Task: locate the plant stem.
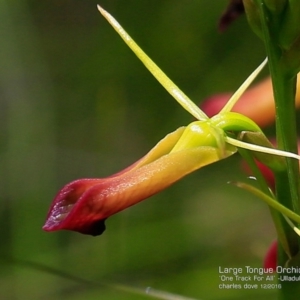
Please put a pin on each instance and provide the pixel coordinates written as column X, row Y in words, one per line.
column 287, row 181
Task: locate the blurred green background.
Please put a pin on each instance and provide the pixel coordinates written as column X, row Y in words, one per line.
column 75, row 102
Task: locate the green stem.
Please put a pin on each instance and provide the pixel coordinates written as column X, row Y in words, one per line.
column 284, row 89
column 287, row 181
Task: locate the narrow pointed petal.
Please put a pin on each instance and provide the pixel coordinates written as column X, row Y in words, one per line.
column 257, row 103
column 83, row 205
column 241, row 90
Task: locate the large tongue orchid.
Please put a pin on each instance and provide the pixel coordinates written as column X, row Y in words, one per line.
column 84, row 204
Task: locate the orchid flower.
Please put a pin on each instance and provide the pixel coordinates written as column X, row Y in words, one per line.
column 84, row 204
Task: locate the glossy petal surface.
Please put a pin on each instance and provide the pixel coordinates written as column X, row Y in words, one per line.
column 84, row 204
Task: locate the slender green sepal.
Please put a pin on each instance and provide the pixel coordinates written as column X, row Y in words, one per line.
column 236, row 96
column 161, row 77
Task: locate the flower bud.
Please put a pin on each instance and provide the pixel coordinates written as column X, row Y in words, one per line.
column 253, row 17
column 290, row 29
column 276, row 6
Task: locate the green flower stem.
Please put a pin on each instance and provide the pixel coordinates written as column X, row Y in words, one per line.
column 287, row 182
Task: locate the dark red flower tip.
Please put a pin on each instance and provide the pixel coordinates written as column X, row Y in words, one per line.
column 64, row 214
column 270, row 261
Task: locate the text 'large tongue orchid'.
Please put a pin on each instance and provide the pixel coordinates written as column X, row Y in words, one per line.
column 84, row 204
